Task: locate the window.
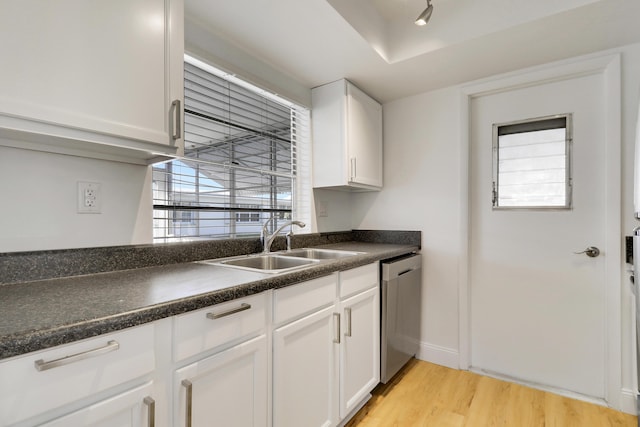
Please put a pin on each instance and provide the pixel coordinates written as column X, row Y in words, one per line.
column 246, row 159
column 185, row 217
column 531, row 164
column 249, row 216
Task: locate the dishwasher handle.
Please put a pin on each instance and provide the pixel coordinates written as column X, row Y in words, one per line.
column 397, row 267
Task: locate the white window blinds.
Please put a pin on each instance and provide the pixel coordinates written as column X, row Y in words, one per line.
column 531, row 164
column 240, row 165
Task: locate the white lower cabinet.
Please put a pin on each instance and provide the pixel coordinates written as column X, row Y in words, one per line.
column 228, row 389
column 360, row 349
column 326, row 362
column 89, row 376
column 303, row 355
column 132, row 408
column 305, row 371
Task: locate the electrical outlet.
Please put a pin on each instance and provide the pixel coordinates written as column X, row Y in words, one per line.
column 89, row 200
column 323, row 208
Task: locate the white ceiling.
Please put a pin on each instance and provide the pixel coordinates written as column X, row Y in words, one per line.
column 375, row 44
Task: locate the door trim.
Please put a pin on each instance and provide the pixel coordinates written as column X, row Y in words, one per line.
column 608, row 65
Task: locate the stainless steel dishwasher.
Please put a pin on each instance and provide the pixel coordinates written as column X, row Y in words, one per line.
column 400, row 313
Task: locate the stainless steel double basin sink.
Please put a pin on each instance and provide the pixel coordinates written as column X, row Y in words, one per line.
column 282, row 262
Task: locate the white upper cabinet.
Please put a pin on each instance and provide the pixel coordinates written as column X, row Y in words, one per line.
column 347, row 138
column 98, row 79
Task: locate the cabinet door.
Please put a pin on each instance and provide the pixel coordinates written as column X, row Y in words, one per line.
column 102, row 72
column 364, row 138
column 305, row 371
column 132, row 408
column 360, row 350
column 227, row 389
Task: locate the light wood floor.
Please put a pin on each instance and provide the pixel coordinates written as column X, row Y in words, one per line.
column 424, row 394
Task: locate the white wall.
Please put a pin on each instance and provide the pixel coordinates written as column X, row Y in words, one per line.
column 421, row 174
column 336, row 205
column 421, row 161
column 38, row 195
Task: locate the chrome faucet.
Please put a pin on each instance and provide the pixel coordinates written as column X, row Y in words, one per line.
column 267, row 240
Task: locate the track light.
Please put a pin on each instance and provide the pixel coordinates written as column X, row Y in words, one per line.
column 425, row 15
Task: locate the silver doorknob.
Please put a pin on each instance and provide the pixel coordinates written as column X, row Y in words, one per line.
column 591, row 251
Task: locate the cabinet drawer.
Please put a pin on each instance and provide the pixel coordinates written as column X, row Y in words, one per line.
column 295, row 301
column 359, row 279
column 213, row 326
column 72, row 372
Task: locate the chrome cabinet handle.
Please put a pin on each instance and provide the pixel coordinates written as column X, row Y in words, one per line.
column 347, row 312
column 41, row 365
column 151, row 411
column 353, row 169
column 336, row 328
column 176, row 125
column 591, row 251
column 244, row 306
column 189, row 400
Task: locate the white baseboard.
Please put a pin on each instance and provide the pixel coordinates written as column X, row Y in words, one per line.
column 439, row 355
column 628, row 401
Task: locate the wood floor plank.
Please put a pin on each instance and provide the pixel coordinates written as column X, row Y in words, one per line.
column 489, row 404
column 526, row 406
column 428, row 395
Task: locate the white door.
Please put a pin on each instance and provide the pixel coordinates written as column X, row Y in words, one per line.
column 538, row 309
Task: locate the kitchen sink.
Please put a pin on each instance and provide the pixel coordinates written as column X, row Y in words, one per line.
column 265, row 263
column 281, row 262
column 319, row 254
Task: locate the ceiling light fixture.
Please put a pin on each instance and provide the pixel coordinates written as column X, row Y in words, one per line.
column 425, row 15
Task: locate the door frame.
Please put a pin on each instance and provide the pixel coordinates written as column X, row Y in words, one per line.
column 608, row 65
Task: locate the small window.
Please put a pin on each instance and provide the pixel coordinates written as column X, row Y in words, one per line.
column 185, row 217
column 531, row 164
column 247, row 216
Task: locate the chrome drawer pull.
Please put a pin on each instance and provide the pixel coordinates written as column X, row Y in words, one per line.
column 176, row 132
column 41, row 365
column 151, row 411
column 189, row 400
column 336, row 328
column 352, row 173
column 243, row 307
column 347, row 312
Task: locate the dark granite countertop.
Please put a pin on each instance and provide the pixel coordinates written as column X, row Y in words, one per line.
column 44, row 313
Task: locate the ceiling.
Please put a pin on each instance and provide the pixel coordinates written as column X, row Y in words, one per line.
column 375, row 44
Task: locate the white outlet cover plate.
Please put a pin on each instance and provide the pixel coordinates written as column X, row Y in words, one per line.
column 323, row 208
column 89, row 197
